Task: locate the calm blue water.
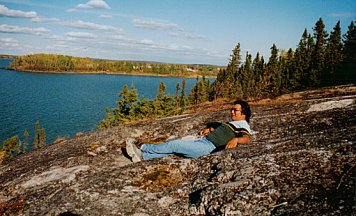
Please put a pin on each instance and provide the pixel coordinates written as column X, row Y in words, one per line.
column 65, row 103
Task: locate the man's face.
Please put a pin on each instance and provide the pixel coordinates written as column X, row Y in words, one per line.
column 236, row 113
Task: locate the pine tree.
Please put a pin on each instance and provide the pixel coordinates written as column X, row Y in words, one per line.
column 177, row 97
column 177, row 91
column 273, row 72
column 246, row 77
column 226, row 84
column 258, row 67
column 108, row 121
column 288, row 71
column 183, row 99
column 347, row 73
column 301, row 62
column 333, row 55
column 37, row 139
column 318, row 62
column 163, row 104
column 200, row 91
column 42, row 137
column 161, row 90
column 126, row 105
column 11, row 147
column 235, row 60
column 25, row 143
column 193, row 96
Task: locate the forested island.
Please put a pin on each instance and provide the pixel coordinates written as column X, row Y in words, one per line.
column 3, row 56
column 53, row 63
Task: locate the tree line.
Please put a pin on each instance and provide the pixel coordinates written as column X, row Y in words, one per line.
column 320, row 59
column 62, row 63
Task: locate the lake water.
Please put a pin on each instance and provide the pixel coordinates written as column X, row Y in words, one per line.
column 65, row 104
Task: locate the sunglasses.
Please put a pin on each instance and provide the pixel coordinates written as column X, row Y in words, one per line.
column 235, row 110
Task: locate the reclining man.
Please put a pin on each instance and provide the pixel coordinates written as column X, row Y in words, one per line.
column 227, row 135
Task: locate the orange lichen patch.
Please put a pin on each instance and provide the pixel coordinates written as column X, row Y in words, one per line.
column 95, row 145
column 14, row 206
column 2, row 156
column 160, row 179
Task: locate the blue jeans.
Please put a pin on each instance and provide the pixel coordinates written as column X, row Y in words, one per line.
column 186, row 148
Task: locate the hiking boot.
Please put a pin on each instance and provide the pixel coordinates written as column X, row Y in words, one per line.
column 133, row 151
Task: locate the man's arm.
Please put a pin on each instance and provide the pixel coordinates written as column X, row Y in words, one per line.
column 238, row 140
column 206, row 131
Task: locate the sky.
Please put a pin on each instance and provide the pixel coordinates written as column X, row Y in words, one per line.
column 171, row 31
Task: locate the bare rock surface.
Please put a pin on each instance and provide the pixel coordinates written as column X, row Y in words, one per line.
column 301, row 162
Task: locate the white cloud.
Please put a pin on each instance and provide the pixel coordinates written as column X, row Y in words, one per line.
column 187, row 35
column 9, row 43
column 153, row 25
column 72, row 10
column 105, row 16
column 157, row 25
column 193, row 36
column 80, row 35
column 4, row 11
column 92, row 4
column 44, row 19
column 4, row 28
column 92, row 26
column 146, row 42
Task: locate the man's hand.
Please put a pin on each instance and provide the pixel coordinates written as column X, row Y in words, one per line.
column 237, row 140
column 205, row 131
column 232, row 143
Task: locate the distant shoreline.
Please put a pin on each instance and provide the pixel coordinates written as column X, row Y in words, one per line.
column 107, row 73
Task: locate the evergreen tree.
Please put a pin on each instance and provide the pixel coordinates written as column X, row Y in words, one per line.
column 194, row 96
column 177, row 97
column 273, row 72
column 226, row 84
column 42, row 137
column 183, row 99
column 25, row 143
column 37, row 139
column 301, row 61
column 108, row 121
column 161, row 90
column 246, row 77
column 235, row 60
column 333, row 55
column 258, row 67
column 126, row 105
column 163, row 104
column 347, row 73
column 177, row 91
column 11, row 147
column 200, row 91
column 318, row 63
column 288, row 71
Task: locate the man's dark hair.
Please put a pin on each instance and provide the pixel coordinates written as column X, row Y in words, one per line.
column 245, row 109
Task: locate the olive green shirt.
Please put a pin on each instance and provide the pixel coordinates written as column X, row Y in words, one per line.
column 221, row 135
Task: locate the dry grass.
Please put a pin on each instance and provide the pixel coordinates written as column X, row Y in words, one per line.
column 160, row 178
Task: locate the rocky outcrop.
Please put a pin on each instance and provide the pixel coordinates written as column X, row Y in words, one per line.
column 301, row 162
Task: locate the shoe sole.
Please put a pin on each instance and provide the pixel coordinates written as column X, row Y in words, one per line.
column 131, row 152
